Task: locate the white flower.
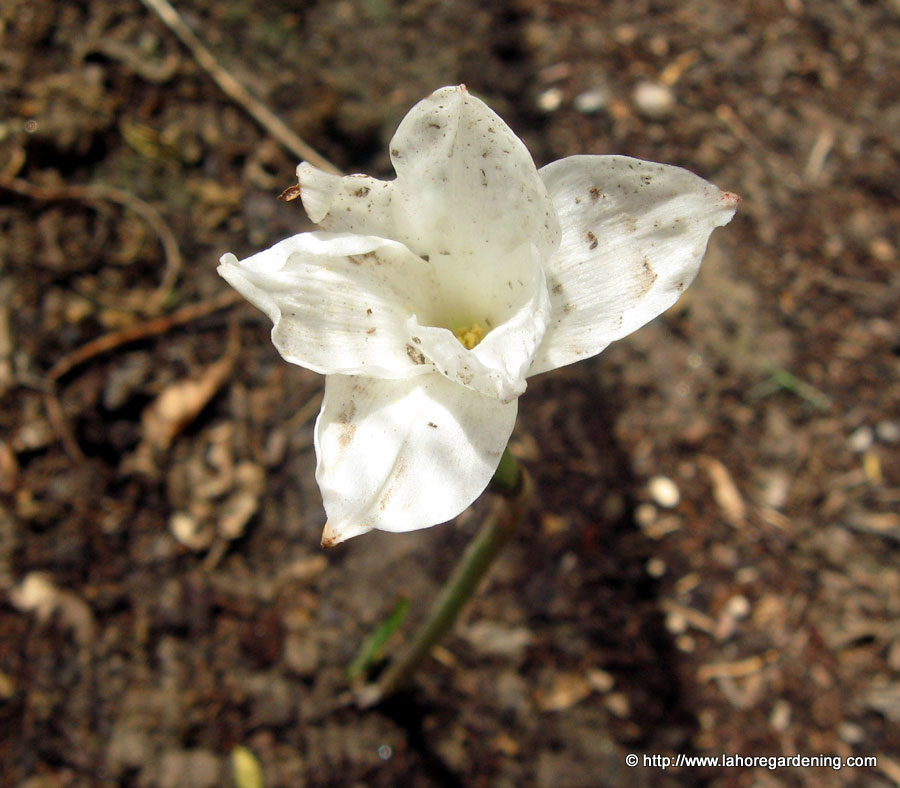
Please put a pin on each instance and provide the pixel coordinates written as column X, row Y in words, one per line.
column 428, row 300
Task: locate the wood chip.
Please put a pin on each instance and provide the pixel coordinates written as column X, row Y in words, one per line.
column 739, row 669
column 567, row 690
column 725, row 491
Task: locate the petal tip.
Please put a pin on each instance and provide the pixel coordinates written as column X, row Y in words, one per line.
column 333, row 535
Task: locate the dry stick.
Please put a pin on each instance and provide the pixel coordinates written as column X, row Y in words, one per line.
column 235, row 90
column 100, row 192
column 159, row 325
column 107, row 342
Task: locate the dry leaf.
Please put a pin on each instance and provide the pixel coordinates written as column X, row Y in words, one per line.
column 180, row 403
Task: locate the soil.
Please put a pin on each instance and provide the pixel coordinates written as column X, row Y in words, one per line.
column 163, row 596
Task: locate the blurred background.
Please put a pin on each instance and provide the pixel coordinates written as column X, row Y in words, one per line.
column 713, row 564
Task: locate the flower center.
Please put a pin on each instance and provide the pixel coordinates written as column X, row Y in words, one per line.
column 471, row 336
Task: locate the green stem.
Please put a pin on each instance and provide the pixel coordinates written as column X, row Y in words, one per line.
column 508, row 475
column 497, row 530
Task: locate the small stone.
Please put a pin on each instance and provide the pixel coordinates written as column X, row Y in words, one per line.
column 600, row 680
column 861, row 440
column 851, row 733
column 780, row 717
column 737, row 606
column 591, row 101
column 654, row 101
column 888, row 431
column 882, row 249
column 193, row 534
column 664, row 492
column 617, row 703
column 645, row 514
column 676, row 623
column 656, row 567
column 36, row 594
column 550, row 100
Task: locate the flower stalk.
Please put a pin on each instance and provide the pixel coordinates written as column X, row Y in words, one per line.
column 516, row 491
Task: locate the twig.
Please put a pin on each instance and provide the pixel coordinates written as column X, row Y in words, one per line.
column 159, row 325
column 235, row 90
column 100, row 192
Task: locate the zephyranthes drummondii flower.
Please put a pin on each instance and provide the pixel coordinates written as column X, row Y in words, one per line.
column 428, row 300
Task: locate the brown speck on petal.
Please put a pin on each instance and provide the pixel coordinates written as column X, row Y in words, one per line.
column 416, row 356
column 592, row 240
column 346, row 436
column 647, row 276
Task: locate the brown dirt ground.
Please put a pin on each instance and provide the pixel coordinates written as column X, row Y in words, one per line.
column 758, row 616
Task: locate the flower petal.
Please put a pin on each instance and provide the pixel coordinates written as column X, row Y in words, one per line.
column 466, row 187
column 352, row 204
column 404, row 454
column 339, row 303
column 634, row 234
column 496, row 366
column 466, row 184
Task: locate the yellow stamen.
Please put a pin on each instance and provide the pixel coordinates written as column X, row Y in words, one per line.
column 469, row 337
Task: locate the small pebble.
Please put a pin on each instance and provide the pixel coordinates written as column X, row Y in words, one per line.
column 591, row 101
column 618, row 704
column 888, row 431
column 737, row 606
column 780, row 717
column 550, row 100
column 645, row 514
column 676, row 623
column 664, row 491
column 600, row 680
column 193, row 534
column 882, row 249
column 861, row 440
column 851, row 733
column 654, row 101
column 656, row 567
